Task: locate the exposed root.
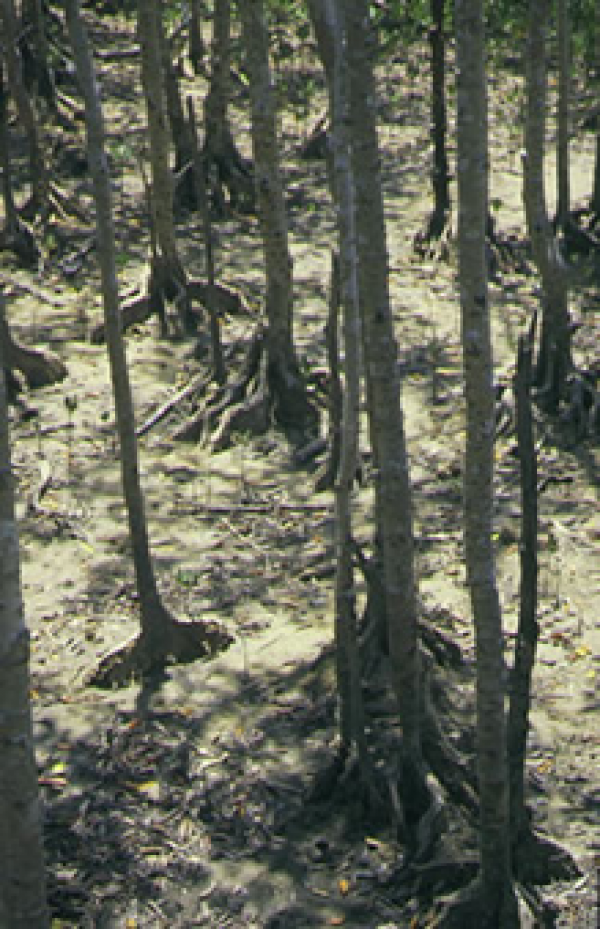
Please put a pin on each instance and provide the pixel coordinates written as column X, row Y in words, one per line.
column 471, row 907
column 342, row 775
column 539, row 860
column 140, row 307
column 433, row 242
column 20, row 240
column 258, row 397
column 38, row 367
column 581, row 411
column 202, row 423
column 148, row 655
column 315, row 146
column 229, row 177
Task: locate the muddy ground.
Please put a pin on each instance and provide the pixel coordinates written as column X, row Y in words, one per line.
column 183, row 802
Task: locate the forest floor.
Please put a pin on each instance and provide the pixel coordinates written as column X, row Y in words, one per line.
column 183, row 802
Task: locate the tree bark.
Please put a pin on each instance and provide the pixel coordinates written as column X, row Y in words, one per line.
column 554, row 356
column 497, row 899
column 291, row 404
column 197, row 51
column 171, row 271
column 440, row 172
column 595, row 198
column 217, row 130
column 150, row 605
column 37, row 167
column 22, row 875
column 352, row 721
column 563, row 198
column 527, row 633
column 392, row 483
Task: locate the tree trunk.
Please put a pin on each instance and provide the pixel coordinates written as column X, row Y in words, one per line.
column 291, row 404
column 11, row 218
column 562, row 141
column 32, row 20
column 554, row 357
column 161, row 635
column 39, row 175
column 150, row 605
column 217, row 100
column 595, row 198
column 197, row 51
column 392, row 485
column 527, row 633
column 352, row 723
column 22, row 875
column 497, row 899
column 171, row 275
column 440, row 173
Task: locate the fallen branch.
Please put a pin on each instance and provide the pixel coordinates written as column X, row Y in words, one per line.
column 198, row 383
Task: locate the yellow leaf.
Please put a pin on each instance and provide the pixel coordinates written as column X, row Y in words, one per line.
column 149, row 789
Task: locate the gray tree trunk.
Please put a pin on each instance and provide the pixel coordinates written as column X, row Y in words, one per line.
column 218, row 134
column 37, row 167
column 562, row 139
column 197, row 51
column 554, row 357
column 149, row 31
column 386, row 420
column 497, row 898
column 349, row 682
column 22, row 875
column 152, row 612
column 291, row 405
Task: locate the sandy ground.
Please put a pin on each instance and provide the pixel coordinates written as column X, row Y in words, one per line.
column 183, row 803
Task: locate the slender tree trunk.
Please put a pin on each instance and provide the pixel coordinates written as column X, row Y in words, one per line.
column 527, row 634
column 22, row 874
column 171, row 271
column 497, row 898
column 197, row 51
column 33, row 19
column 349, row 682
column 10, row 209
column 37, row 167
column 150, row 604
column 595, row 198
column 562, row 143
column 217, row 130
column 440, row 173
column 392, row 487
column 161, row 635
column 554, row 357
column 291, row 406
column 174, row 106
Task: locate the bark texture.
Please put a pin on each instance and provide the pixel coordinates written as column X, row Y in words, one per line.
column 290, row 403
column 496, row 899
column 392, row 487
column 146, row 582
column 554, row 357
column 37, row 166
column 150, row 31
column 22, row 875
